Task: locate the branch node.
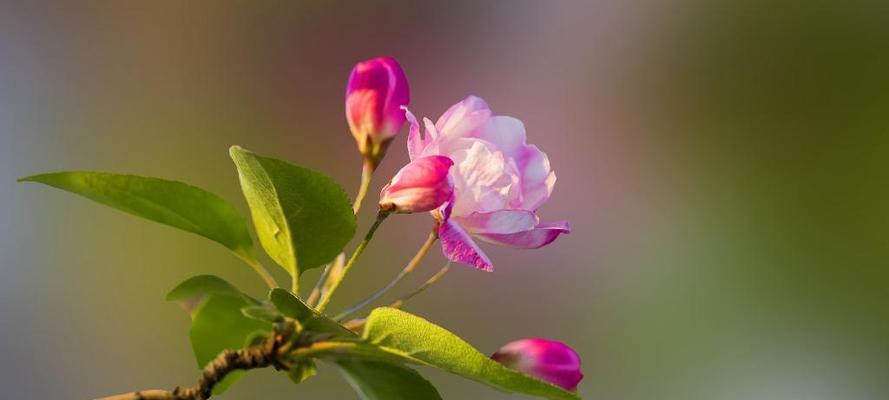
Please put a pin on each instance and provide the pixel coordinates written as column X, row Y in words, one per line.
column 268, row 353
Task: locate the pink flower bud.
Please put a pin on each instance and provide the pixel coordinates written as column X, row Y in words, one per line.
column 422, row 185
column 544, row 359
column 376, row 91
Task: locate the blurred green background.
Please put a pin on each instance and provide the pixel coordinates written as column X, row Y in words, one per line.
column 724, row 165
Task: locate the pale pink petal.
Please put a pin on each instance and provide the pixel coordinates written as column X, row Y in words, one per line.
column 507, row 133
column 458, row 246
column 431, row 130
column 541, row 235
column 415, row 140
column 501, row 221
column 463, row 118
column 538, row 179
column 483, row 179
column 431, row 136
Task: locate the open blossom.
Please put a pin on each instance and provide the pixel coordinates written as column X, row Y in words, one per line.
column 376, row 92
column 500, row 181
column 548, row 360
column 422, row 185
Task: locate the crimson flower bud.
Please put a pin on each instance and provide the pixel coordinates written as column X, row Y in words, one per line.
column 376, row 91
column 544, row 359
column 422, row 185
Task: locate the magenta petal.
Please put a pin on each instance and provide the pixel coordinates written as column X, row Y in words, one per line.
column 398, row 94
column 542, row 235
column 500, row 221
column 422, row 185
column 548, row 360
column 382, row 75
column 458, row 246
column 376, row 91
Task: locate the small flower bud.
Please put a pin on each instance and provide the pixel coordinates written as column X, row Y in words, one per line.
column 376, row 91
column 544, row 359
column 422, row 185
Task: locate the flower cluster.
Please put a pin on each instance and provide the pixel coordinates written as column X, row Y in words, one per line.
column 477, row 175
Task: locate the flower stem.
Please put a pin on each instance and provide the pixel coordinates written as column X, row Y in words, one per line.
column 331, row 271
column 410, row 267
column 316, row 291
column 432, row 280
column 357, row 324
column 325, row 300
column 366, row 175
column 263, row 273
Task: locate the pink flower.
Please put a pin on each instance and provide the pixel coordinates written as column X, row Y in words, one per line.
column 422, row 185
column 544, row 359
column 376, row 92
column 499, row 179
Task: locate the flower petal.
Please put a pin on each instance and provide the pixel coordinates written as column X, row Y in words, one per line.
column 398, row 94
column 501, row 221
column 376, row 91
column 483, row 179
column 363, row 115
column 419, row 144
column 458, row 246
column 415, row 139
column 431, row 131
column 541, row 235
column 507, row 133
column 421, row 185
column 463, row 118
column 549, row 360
column 538, row 178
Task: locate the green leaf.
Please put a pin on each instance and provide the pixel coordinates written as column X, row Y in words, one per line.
column 219, row 325
column 302, row 370
column 303, row 219
column 169, row 202
column 192, row 292
column 201, row 285
column 312, row 321
column 290, row 305
column 217, row 320
column 262, row 313
column 418, row 340
column 374, row 380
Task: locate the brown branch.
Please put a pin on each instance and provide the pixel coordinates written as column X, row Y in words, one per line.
column 269, row 353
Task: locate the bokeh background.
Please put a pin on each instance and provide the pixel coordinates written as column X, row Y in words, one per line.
column 724, row 165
